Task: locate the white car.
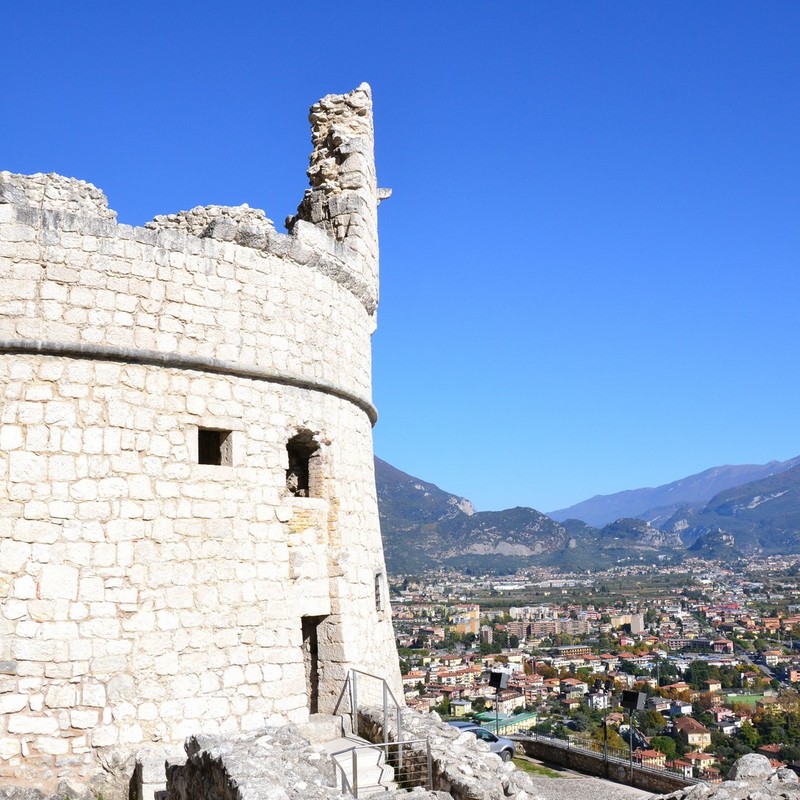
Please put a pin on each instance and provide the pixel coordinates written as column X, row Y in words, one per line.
column 497, row 744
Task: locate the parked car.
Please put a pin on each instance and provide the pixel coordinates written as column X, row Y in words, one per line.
column 497, row 744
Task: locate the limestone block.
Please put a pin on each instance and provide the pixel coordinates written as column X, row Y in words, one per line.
column 33, row 650
column 167, row 664
column 51, row 745
column 24, row 467
column 15, row 609
column 60, row 696
column 58, row 582
column 23, row 723
column 252, row 721
column 92, row 588
column 62, row 631
column 9, row 748
column 93, row 694
column 147, row 712
column 100, row 627
column 104, row 736
column 131, row 733
column 11, row 703
column 11, row 437
column 183, row 686
column 233, row 676
column 61, row 671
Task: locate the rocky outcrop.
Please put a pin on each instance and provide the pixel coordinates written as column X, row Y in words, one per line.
column 274, row 764
column 751, row 778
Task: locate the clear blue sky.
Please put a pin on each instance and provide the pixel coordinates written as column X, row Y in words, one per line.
column 590, row 261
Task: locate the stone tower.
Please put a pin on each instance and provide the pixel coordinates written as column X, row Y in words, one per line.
column 189, row 536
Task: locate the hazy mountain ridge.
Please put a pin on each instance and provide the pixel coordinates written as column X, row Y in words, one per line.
column 762, row 516
column 424, row 526
column 658, row 504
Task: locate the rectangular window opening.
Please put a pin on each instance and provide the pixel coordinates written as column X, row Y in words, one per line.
column 378, row 591
column 214, row 447
column 303, row 477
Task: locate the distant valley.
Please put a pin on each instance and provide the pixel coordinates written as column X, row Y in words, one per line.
column 725, row 512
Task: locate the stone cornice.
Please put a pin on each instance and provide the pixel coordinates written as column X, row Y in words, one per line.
column 132, row 355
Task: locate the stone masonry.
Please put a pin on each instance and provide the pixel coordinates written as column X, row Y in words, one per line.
column 189, row 536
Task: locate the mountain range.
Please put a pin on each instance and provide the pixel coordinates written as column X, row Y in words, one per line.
column 724, row 512
column 660, row 503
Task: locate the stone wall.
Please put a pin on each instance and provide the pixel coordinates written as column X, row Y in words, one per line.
column 594, row 764
column 149, row 593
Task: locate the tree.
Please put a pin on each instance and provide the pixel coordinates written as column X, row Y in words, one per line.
column 789, row 754
column 771, row 731
column 580, row 722
column 665, row 745
column 443, row 708
column 651, row 722
column 696, row 673
column 749, row 735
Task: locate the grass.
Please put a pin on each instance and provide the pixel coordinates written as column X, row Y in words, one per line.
column 535, row 769
column 745, row 699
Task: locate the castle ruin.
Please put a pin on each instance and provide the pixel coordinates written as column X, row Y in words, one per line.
column 189, row 535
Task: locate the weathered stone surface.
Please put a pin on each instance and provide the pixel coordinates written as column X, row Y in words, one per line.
column 273, row 764
column 751, row 778
column 752, row 767
column 153, row 591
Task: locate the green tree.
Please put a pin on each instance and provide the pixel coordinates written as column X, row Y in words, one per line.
column 749, row 735
column 651, row 722
column 665, row 745
column 696, row 673
column 580, row 722
column 443, row 708
column 789, row 754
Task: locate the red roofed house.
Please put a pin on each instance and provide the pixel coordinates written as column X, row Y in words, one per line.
column 694, row 733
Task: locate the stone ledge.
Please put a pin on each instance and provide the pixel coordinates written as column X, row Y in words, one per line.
column 130, row 355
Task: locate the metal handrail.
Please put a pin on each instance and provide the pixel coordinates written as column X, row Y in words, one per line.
column 350, row 690
column 611, row 754
column 353, row 787
column 352, row 682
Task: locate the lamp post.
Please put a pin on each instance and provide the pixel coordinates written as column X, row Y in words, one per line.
column 632, row 701
column 630, row 742
column 605, row 689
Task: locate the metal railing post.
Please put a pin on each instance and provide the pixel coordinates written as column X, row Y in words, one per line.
column 355, row 702
column 385, row 713
column 399, row 737
column 355, row 775
column 430, row 767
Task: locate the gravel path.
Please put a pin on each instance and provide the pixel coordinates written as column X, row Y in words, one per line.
column 584, row 788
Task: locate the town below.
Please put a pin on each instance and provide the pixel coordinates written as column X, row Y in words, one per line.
column 708, row 652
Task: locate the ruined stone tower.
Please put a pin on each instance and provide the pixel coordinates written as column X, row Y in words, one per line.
column 189, row 534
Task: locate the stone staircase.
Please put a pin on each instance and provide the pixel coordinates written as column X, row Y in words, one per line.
column 374, row 774
column 332, row 735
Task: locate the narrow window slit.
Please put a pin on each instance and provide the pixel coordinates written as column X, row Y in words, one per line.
column 214, row 447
